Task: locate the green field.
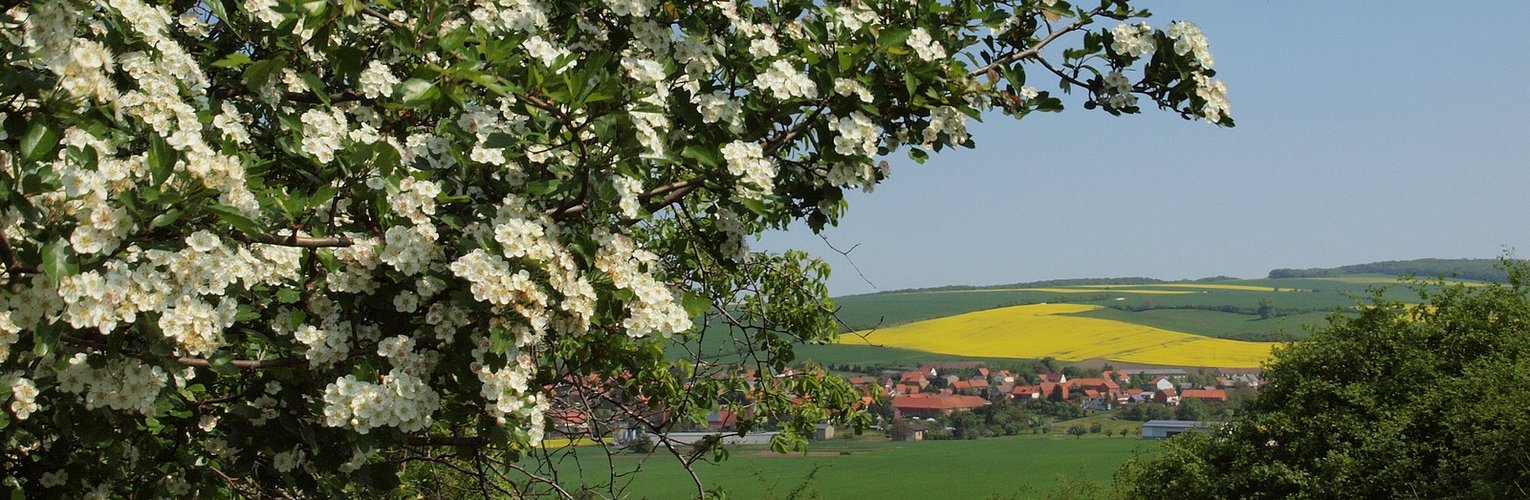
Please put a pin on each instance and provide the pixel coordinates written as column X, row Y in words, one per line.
column 1004, row 467
column 1224, row 309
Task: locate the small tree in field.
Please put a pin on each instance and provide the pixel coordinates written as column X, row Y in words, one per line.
column 284, row 248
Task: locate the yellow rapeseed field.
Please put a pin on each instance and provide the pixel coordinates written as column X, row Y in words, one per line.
column 1041, row 330
column 1067, row 290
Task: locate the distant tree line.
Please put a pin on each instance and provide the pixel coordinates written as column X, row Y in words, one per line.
column 1041, row 284
column 1470, row 269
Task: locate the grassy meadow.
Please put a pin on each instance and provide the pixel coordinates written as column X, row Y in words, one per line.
column 1026, row 466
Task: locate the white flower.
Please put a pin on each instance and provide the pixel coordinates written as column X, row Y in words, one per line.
column 925, row 47
column 1215, row 95
column 856, row 135
column 784, row 81
column 1188, row 39
column 1118, row 91
column 1133, row 41
column 548, row 53
column 377, row 80
column 322, row 133
column 746, row 160
column 627, row 190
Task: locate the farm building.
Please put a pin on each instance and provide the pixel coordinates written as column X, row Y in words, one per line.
column 1160, row 429
column 1207, row 395
column 929, row 405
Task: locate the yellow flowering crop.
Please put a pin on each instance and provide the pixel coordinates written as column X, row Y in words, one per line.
column 1042, row 330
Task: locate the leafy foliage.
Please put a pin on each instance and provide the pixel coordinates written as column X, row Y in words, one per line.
column 1396, row 402
column 284, row 248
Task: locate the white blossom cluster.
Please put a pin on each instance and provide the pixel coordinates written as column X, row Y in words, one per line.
column 172, row 286
column 1118, row 91
column 415, row 199
column 402, row 400
column 747, row 161
column 852, row 175
column 718, row 106
column 653, row 309
column 1215, row 95
column 1132, row 40
column 230, row 122
column 288, row 460
column 856, row 136
column 948, row 121
column 23, row 395
column 322, row 133
column 1188, row 39
column 630, row 8
column 733, row 246
column 482, row 121
column 847, row 87
column 410, row 249
column 548, row 53
column 496, row 16
column 9, row 331
column 925, row 47
column 506, row 389
column 377, row 80
column 627, row 191
column 852, row 18
column 784, row 81
column 124, row 384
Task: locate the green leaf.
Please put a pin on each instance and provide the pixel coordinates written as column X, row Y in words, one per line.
column 708, row 157
column 38, row 142
column 918, row 155
column 288, row 296
column 315, row 85
column 893, row 38
column 234, row 60
column 499, row 140
column 695, row 304
column 416, row 92
column 165, row 219
column 259, row 73
column 755, row 206
column 222, row 363
column 245, row 313
column 387, row 160
column 543, row 188
column 161, row 160
column 234, row 218
column 58, row 260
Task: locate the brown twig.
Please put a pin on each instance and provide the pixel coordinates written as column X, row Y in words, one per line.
column 1033, row 50
column 294, row 240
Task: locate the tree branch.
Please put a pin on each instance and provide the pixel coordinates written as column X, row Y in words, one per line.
column 1033, row 50
column 12, row 268
column 294, row 240
column 246, row 364
column 447, row 441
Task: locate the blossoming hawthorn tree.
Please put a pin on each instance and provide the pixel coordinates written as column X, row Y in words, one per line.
column 286, row 247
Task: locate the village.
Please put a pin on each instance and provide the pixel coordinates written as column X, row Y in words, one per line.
column 953, row 400
column 968, row 400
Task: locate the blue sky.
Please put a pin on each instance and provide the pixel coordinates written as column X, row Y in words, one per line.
column 1366, row 131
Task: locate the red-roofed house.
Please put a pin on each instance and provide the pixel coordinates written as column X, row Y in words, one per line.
column 1207, row 395
column 1048, row 388
column 933, row 406
column 914, row 378
column 1052, row 378
column 1167, row 396
column 1025, row 392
